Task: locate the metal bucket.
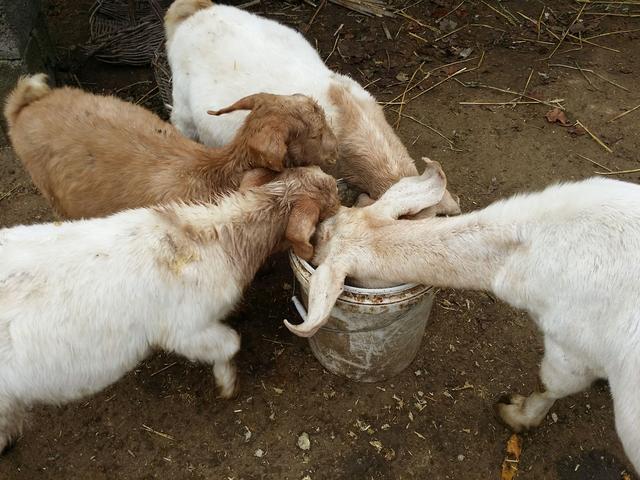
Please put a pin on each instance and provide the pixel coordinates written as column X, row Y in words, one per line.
column 372, row 334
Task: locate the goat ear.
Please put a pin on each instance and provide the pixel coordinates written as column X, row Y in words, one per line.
column 326, row 285
column 245, row 103
column 269, row 145
column 413, row 194
column 302, row 223
column 256, row 178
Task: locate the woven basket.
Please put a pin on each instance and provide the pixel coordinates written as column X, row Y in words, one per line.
column 126, row 32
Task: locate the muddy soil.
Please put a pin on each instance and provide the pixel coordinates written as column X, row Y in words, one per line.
column 436, row 419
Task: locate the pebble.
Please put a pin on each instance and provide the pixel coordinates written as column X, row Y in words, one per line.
column 303, row 441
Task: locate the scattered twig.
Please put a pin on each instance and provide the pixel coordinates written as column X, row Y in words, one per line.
column 166, row 367
column 509, row 20
column 315, row 14
column 132, row 85
column 601, row 77
column 512, row 102
column 594, row 162
column 526, row 85
column 624, row 113
column 620, row 172
column 598, row 141
column 467, row 26
column 566, row 32
column 406, row 88
column 512, row 92
column 438, row 83
column 617, row 32
column 335, row 44
column 154, row 90
column 584, row 74
column 449, row 141
column 451, row 11
column 160, row 434
column 7, row 194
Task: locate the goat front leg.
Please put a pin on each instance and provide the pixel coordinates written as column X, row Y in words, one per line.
column 561, row 373
column 217, row 344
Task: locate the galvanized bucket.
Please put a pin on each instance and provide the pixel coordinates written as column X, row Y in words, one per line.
column 373, row 334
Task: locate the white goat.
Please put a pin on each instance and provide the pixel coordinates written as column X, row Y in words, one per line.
column 219, row 53
column 569, row 256
column 83, row 302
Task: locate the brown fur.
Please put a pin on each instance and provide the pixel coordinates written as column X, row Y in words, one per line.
column 364, row 160
column 179, row 11
column 251, row 225
column 93, row 155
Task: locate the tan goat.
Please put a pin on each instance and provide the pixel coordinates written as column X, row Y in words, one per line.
column 92, row 155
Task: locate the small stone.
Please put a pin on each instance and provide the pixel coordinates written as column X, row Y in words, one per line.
column 258, row 453
column 554, row 417
column 303, row 441
column 460, row 458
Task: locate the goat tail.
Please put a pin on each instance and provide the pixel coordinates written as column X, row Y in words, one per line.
column 179, row 11
column 28, row 89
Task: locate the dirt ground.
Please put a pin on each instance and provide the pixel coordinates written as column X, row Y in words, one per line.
column 436, row 419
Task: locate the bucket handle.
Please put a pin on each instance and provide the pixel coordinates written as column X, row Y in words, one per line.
column 299, row 307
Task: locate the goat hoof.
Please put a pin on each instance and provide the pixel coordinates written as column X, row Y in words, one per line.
column 510, row 411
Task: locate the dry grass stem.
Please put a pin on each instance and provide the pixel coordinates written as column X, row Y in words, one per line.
column 406, row 88
column 624, row 113
column 512, row 92
column 601, row 77
column 415, row 35
column 566, row 32
column 438, row 83
column 8, row 194
column 155, row 432
column 592, row 135
column 440, row 134
column 617, row 32
column 370, row 8
column 418, row 22
column 594, row 162
column 526, row 85
column 451, row 11
column 315, row 14
column 335, row 44
column 508, row 19
column 484, row 25
column 604, row 14
column 620, row 172
column 166, row 367
column 513, row 102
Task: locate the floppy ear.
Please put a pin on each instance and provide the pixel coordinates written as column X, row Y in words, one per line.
column 256, row 178
column 325, row 287
column 412, row 194
column 302, row 223
column 269, row 144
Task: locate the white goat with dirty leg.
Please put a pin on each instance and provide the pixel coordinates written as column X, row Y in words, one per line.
column 568, row 255
column 219, row 53
column 81, row 303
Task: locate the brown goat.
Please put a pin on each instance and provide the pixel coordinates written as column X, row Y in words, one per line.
column 93, row 155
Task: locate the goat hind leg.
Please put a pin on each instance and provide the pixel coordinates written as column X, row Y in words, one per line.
column 561, row 373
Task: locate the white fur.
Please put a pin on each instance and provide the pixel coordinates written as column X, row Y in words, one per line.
column 81, row 303
column 569, row 256
column 222, row 53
